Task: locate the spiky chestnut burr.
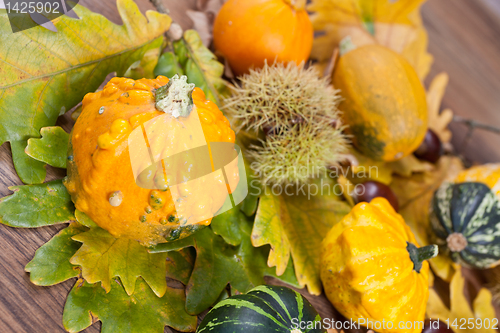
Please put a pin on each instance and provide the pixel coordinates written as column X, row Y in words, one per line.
column 294, row 115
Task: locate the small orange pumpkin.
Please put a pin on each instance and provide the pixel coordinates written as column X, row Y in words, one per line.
column 249, row 32
column 100, row 175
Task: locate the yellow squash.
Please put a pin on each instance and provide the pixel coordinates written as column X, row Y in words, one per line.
column 373, row 270
column 384, row 102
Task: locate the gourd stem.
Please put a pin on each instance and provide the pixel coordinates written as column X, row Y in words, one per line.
column 175, row 97
column 346, row 45
column 296, row 4
column 419, row 254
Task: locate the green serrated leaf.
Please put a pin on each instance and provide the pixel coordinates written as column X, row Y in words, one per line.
column 218, row 263
column 33, row 206
column 144, row 68
column 173, row 246
column 227, row 225
column 83, row 219
column 51, row 262
column 261, row 254
column 289, row 276
column 141, row 312
column 45, row 74
column 103, row 257
column 180, row 264
column 29, row 170
column 201, row 66
column 296, row 225
column 250, row 204
column 51, row 148
column 168, row 65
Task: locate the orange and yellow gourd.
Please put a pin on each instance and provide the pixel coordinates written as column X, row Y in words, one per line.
column 249, row 32
column 384, row 102
column 100, row 177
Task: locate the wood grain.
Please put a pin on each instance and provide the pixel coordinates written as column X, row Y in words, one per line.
column 465, row 41
column 464, row 37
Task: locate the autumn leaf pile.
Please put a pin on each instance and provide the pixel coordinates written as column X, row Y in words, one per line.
column 122, row 283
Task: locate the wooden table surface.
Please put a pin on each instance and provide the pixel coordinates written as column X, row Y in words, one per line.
column 465, row 41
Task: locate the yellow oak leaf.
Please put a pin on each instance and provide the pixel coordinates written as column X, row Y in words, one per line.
column 363, row 168
column 415, row 194
column 347, row 190
column 438, row 121
column 295, row 225
column 394, row 24
column 461, row 315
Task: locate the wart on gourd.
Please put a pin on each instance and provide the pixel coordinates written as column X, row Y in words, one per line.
column 116, row 198
column 155, row 200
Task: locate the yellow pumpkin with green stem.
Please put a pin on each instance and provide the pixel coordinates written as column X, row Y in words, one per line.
column 384, row 102
column 373, row 270
column 101, row 179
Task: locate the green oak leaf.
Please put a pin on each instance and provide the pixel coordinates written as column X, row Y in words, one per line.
column 83, row 219
column 228, row 225
column 51, row 262
column 175, row 245
column 250, row 204
column 39, row 205
column 218, row 264
column 200, row 65
column 144, row 68
column 45, row 73
column 52, row 148
column 141, row 312
column 30, row 171
column 296, row 225
column 168, row 65
column 180, row 264
column 103, row 257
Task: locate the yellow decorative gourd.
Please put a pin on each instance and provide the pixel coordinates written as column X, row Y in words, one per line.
column 384, row 102
column 373, row 270
column 488, row 174
column 100, row 177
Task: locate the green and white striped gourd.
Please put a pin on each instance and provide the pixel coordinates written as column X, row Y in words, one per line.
column 465, row 218
column 264, row 309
